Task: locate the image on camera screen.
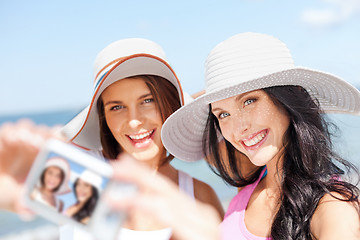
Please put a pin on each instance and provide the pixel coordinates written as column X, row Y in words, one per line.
column 68, row 188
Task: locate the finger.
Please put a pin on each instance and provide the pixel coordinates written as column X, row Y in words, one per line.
column 148, row 204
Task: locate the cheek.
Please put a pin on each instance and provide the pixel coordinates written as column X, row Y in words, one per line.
column 113, row 122
column 49, row 176
column 79, row 189
column 226, row 131
column 153, row 114
column 58, row 178
column 89, row 192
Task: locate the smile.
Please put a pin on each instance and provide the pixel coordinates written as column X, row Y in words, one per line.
column 253, row 141
column 140, row 136
column 142, row 140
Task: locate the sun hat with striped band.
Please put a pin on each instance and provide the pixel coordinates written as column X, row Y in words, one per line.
column 243, row 63
column 119, row 60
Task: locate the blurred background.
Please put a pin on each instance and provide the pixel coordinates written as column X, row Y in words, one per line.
column 47, row 49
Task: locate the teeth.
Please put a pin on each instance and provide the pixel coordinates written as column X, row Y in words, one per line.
column 254, row 140
column 141, row 136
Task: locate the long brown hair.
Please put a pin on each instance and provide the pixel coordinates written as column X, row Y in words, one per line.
column 62, row 176
column 167, row 100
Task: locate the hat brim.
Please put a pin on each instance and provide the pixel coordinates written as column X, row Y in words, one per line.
column 182, row 133
column 74, row 176
column 84, row 129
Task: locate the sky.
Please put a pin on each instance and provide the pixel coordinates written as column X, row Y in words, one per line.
column 47, row 48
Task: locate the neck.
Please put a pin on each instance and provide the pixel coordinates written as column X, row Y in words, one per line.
column 272, row 181
column 155, row 162
column 166, row 169
column 46, row 191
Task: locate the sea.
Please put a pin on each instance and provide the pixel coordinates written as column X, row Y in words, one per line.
column 13, row 227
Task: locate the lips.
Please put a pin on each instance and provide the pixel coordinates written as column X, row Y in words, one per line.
column 255, row 140
column 141, row 140
column 51, row 185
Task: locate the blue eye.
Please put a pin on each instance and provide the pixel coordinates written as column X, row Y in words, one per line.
column 148, row 100
column 223, row 115
column 249, row 101
column 117, row 107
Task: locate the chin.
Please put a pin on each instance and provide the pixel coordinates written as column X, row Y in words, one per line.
column 146, row 155
column 259, row 161
column 259, row 164
column 83, row 199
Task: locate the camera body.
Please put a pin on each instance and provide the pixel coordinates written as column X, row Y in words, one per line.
column 67, row 185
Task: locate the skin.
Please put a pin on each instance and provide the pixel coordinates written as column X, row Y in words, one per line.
column 159, row 197
column 83, row 191
column 19, row 144
column 246, row 118
column 52, row 179
column 255, row 126
column 246, row 166
column 130, row 111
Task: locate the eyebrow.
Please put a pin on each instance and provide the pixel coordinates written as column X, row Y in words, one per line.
column 120, row 102
column 241, row 96
column 238, row 97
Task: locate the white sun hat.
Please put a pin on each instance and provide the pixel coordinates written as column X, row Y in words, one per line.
column 92, row 179
column 119, row 60
column 65, row 167
column 243, row 63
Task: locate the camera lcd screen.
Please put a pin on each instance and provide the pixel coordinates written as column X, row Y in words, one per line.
column 66, row 187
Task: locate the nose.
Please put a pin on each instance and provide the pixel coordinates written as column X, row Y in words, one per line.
column 240, row 123
column 134, row 123
column 135, row 118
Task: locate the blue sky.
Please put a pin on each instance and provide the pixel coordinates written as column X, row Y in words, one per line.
column 47, row 48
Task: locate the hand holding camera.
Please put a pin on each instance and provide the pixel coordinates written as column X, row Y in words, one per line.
column 68, row 185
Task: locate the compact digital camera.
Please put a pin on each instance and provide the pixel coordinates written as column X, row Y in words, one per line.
column 67, row 185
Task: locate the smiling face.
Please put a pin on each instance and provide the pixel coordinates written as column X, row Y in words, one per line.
column 253, row 124
column 52, row 178
column 83, row 190
column 133, row 119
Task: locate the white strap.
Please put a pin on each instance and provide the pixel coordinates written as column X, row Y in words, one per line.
column 186, row 184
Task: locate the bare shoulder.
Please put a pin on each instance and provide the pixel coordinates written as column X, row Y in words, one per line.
column 70, row 210
column 206, row 194
column 335, row 219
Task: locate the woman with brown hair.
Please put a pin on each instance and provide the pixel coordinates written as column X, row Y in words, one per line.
column 52, row 183
column 135, row 91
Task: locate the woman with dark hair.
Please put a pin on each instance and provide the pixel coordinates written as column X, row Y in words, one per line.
column 135, row 91
column 53, row 182
column 86, row 189
column 270, row 112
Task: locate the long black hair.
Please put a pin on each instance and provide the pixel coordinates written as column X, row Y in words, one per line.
column 87, row 209
column 310, row 168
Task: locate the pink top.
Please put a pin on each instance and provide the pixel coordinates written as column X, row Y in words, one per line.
column 233, row 225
